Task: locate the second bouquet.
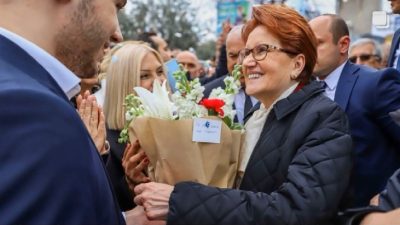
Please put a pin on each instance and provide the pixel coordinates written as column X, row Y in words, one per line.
column 186, row 137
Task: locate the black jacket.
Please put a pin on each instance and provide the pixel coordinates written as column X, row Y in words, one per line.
column 219, row 82
column 297, row 173
column 116, row 171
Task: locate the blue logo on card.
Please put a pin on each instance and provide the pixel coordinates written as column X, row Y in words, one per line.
column 207, row 124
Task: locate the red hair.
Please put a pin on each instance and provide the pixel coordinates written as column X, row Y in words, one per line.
column 290, row 28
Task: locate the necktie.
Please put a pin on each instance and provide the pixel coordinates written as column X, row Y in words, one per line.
column 247, row 105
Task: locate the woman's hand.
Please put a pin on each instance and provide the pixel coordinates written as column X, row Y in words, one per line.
column 134, row 163
column 154, row 198
column 93, row 117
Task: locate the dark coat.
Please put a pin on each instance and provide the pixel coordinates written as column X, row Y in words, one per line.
column 51, row 172
column 297, row 173
column 219, row 82
column 116, row 171
column 220, row 70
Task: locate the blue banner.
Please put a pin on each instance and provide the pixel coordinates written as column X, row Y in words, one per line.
column 237, row 12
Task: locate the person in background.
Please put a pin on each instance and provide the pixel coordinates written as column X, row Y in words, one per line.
column 243, row 102
column 394, row 54
column 157, row 43
column 366, row 51
column 51, row 172
column 190, row 63
column 134, row 64
column 385, row 46
column 297, row 155
column 368, row 97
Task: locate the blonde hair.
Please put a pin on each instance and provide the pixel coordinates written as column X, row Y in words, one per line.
column 123, row 74
column 107, row 58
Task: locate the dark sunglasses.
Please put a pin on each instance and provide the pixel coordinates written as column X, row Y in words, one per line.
column 363, row 57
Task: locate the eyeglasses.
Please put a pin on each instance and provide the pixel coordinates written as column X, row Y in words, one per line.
column 363, row 57
column 260, row 51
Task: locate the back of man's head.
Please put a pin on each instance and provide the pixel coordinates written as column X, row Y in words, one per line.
column 157, row 43
column 146, row 37
column 338, row 27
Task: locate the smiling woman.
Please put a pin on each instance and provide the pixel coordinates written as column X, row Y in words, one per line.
column 297, row 152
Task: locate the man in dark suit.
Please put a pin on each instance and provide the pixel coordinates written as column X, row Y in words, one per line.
column 51, row 172
column 394, row 54
column 243, row 103
column 368, row 97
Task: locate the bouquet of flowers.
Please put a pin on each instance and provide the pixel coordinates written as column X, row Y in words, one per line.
column 185, row 136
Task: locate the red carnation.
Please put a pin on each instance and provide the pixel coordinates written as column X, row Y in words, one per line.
column 213, row 105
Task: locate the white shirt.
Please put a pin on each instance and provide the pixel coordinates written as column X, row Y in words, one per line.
column 64, row 77
column 332, row 80
column 240, row 99
column 396, row 57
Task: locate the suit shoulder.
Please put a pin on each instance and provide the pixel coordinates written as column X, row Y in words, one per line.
column 219, row 82
column 380, row 77
column 215, row 83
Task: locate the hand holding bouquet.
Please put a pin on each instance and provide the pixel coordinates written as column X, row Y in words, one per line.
column 166, row 130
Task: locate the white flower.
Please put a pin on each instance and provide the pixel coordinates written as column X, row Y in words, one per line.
column 128, row 116
column 156, row 104
column 185, row 101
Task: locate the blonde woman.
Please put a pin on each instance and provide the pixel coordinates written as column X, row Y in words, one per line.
column 100, row 94
column 134, row 64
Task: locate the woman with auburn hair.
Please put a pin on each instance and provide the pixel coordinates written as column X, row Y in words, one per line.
column 134, row 64
column 297, row 151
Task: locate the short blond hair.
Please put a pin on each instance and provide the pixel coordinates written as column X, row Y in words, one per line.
column 123, row 74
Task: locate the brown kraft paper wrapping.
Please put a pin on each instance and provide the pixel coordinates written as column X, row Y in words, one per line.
column 174, row 157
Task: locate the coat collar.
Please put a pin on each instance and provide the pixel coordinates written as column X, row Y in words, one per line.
column 345, row 84
column 287, row 105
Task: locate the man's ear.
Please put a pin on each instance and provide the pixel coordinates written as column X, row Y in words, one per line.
column 344, row 44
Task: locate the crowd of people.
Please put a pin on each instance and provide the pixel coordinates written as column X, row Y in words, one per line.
column 321, row 114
